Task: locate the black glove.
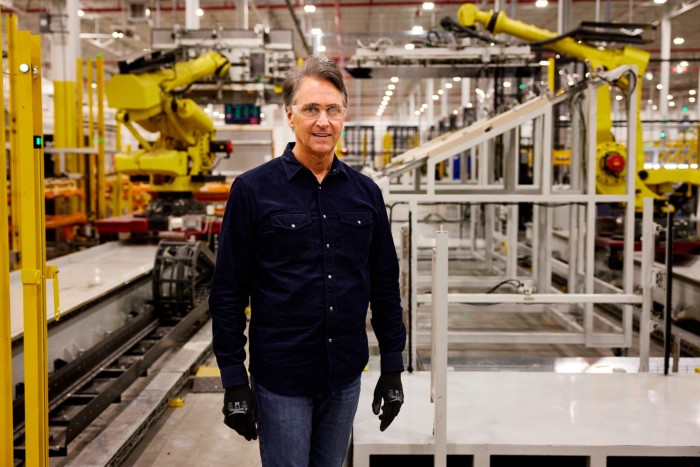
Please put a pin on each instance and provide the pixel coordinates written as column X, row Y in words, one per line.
column 390, row 389
column 240, row 411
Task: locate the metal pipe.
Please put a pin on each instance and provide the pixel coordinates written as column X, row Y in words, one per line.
column 438, row 358
column 297, row 25
column 668, row 337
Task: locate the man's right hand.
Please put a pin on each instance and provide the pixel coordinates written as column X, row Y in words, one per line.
column 240, row 411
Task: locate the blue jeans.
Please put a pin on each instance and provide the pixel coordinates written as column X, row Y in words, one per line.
column 305, row 431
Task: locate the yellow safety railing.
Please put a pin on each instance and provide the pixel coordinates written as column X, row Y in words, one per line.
column 6, row 425
column 26, row 53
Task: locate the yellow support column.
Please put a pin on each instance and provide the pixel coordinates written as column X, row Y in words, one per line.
column 92, row 190
column 117, row 205
column 6, row 426
column 11, row 25
column 551, row 76
column 100, row 78
column 80, row 129
column 33, row 275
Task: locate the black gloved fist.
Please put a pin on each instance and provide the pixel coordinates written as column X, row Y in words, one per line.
column 390, row 389
column 240, row 411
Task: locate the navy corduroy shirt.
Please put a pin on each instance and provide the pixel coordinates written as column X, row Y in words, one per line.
column 310, row 258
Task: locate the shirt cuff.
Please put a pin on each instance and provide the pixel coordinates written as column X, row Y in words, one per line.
column 391, row 362
column 234, row 376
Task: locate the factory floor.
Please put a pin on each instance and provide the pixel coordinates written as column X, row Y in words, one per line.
column 191, row 433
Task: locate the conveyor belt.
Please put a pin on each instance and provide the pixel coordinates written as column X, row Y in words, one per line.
column 79, row 390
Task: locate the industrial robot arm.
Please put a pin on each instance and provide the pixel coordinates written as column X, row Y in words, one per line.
column 611, row 155
column 183, row 154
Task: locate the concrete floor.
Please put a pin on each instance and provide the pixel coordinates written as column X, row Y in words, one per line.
column 194, row 435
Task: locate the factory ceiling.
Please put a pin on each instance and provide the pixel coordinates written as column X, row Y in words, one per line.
column 345, row 24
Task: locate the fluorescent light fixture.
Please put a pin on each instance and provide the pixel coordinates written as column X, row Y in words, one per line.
column 678, row 40
column 428, row 6
column 391, row 87
column 389, row 93
column 316, row 31
column 669, row 97
column 544, row 62
column 671, row 104
column 469, row 105
column 618, row 97
column 321, row 48
column 409, row 46
column 394, row 79
column 448, row 85
column 417, row 112
column 659, row 2
column 457, row 79
column 200, row 12
column 654, row 107
column 81, row 13
column 691, row 100
column 541, row 3
column 649, row 76
column 506, row 84
column 440, row 92
column 693, row 166
column 684, row 64
column 692, row 92
column 310, row 8
column 417, row 29
column 435, row 97
column 455, row 112
column 659, row 86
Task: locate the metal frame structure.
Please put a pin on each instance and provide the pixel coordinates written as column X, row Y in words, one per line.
column 411, row 179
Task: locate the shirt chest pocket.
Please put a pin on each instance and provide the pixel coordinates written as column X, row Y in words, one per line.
column 356, row 229
column 288, row 237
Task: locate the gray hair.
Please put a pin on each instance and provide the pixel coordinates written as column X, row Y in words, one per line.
column 314, row 67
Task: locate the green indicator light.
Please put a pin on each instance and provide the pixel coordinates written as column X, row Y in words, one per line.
column 38, row 142
column 522, row 86
column 662, row 135
column 685, row 109
column 664, row 119
column 100, row 140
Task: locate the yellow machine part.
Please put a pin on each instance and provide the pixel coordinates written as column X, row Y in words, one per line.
column 497, row 22
column 561, row 157
column 165, row 162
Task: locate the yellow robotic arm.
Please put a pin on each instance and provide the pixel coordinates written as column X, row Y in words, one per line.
column 151, row 100
column 611, row 155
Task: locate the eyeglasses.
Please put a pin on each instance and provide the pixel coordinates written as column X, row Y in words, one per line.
column 313, row 111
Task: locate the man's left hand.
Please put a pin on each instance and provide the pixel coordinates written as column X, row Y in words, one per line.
column 390, row 390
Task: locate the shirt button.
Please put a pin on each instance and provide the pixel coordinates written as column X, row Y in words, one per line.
column 330, row 277
column 328, row 245
column 330, row 341
column 319, row 187
column 324, row 216
column 331, row 308
column 359, row 222
column 293, row 225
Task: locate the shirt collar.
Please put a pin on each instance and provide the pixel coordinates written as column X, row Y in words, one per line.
column 292, row 166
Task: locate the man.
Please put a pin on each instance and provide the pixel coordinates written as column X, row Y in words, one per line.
column 306, row 239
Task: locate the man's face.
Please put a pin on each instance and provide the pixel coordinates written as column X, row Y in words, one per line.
column 316, row 135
